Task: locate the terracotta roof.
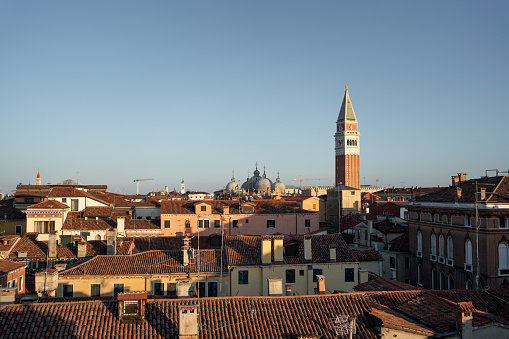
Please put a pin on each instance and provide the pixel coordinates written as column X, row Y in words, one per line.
column 48, row 204
column 7, row 266
column 98, row 211
column 399, row 244
column 395, row 319
column 72, row 222
column 150, row 262
column 11, row 239
column 376, row 283
column 8, row 210
column 233, row 317
column 367, row 255
column 498, row 185
column 32, row 190
column 385, row 226
column 260, row 206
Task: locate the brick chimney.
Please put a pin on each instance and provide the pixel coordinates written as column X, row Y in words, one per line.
column 308, row 256
column 320, row 284
column 482, row 194
column 189, row 322
column 111, row 241
column 464, row 312
column 278, row 249
column 52, row 244
column 266, row 249
column 82, row 249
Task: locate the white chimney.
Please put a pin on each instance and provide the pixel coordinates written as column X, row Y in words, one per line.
column 278, row 249
column 82, row 249
column 308, row 256
column 266, row 249
column 465, row 317
column 332, row 254
column 188, row 321
column 111, row 241
column 121, row 225
column 52, row 244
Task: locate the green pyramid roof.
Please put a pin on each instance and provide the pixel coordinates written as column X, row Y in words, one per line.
column 346, row 112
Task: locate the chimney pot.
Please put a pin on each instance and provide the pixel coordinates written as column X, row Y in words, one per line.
column 320, row 284
column 266, row 249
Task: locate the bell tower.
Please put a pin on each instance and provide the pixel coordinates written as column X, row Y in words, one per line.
column 347, row 146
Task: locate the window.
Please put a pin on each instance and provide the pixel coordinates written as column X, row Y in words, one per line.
column 20, row 285
column 243, row 277
column 203, row 208
column 301, row 273
column 393, row 262
column 188, row 223
column 166, row 224
column 201, row 289
column 316, row 271
column 292, row 250
column 131, row 307
column 171, row 289
column 44, row 226
column 29, row 200
column 407, row 262
column 203, row 224
column 64, row 199
column 18, row 229
column 450, row 248
column 503, row 222
column 468, row 285
column 307, row 222
column 235, row 223
column 290, row 276
column 441, row 246
column 419, row 243
column 95, row 290
column 503, row 256
column 67, row 290
column 468, row 252
column 118, row 288
column 158, row 288
column 98, row 237
column 217, row 224
column 433, row 244
column 74, row 204
column 349, row 274
column 314, row 206
column 271, row 223
column 215, row 241
column 212, row 289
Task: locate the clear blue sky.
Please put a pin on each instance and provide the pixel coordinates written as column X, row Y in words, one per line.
column 120, row 90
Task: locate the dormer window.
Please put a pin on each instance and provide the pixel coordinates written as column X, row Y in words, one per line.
column 292, row 250
column 203, row 208
column 132, row 307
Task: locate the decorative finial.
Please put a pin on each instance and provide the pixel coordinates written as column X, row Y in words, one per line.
column 256, row 165
column 346, row 87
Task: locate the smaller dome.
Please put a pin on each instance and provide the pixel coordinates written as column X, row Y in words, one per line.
column 279, row 187
column 263, row 184
column 233, row 186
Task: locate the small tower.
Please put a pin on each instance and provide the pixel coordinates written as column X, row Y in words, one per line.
column 182, row 187
column 347, row 146
column 38, row 179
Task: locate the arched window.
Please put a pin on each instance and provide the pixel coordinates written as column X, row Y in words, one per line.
column 433, row 279
column 433, row 244
column 503, row 256
column 468, row 285
column 442, row 280
column 441, row 246
column 419, row 242
column 419, row 274
column 98, row 237
column 468, row 252
column 450, row 248
column 450, row 282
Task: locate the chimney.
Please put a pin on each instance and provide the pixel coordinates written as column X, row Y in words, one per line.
column 187, row 254
column 266, row 249
column 363, row 276
column 464, row 312
column 46, row 282
column 189, row 321
column 184, row 288
column 111, row 241
column 320, row 284
column 332, row 254
column 52, row 244
column 275, row 287
column 482, row 194
column 121, row 225
column 226, row 209
column 458, row 194
column 82, row 249
column 308, row 256
column 288, row 290
column 7, row 296
column 278, row 249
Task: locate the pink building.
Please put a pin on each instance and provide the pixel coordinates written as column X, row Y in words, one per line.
column 235, row 217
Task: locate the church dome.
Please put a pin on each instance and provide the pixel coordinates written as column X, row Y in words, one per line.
column 279, row 187
column 233, row 186
column 264, row 184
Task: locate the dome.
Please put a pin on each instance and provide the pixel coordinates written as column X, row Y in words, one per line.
column 264, row 184
column 233, row 186
column 279, row 187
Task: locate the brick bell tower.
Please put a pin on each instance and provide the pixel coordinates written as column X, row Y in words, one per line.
column 347, row 146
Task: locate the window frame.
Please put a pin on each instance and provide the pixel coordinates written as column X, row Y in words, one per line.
column 307, row 223
column 115, row 289
column 347, row 275
column 271, row 223
column 64, row 292
column 243, row 277
column 92, row 285
column 290, row 275
column 317, row 271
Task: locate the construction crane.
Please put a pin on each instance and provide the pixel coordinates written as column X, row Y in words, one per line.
column 137, row 181
column 301, row 180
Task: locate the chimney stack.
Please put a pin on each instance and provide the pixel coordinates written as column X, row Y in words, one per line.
column 266, row 249
column 482, row 194
column 82, row 249
column 188, row 321
column 458, row 194
column 288, row 290
column 52, row 244
column 278, row 249
column 332, row 254
column 370, row 230
column 186, row 250
column 320, row 284
column 121, row 225
column 308, row 256
column 111, row 241
column 464, row 311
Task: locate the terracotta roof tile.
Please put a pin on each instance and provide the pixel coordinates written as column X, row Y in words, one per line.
column 98, row 211
column 385, row 226
column 7, row 266
column 367, row 255
column 48, row 204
